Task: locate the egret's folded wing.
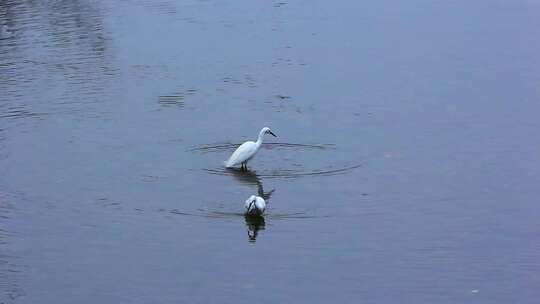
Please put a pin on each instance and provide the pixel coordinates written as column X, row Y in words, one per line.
column 241, row 154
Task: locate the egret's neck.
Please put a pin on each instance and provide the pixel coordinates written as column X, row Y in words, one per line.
column 260, row 139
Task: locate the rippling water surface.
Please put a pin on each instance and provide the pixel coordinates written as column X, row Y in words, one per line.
column 406, row 167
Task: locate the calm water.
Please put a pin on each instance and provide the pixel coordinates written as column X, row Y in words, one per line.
column 407, row 167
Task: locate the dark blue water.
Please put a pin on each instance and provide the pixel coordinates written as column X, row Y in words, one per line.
column 406, row 167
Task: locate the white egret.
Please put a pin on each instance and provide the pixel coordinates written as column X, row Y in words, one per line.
column 255, row 205
column 247, row 150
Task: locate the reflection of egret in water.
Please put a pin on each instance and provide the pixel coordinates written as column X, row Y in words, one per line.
column 251, row 178
column 254, row 224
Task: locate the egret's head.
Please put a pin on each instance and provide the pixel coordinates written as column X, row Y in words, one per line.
column 266, row 130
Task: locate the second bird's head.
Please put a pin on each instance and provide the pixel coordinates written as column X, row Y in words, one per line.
column 266, row 130
column 252, row 199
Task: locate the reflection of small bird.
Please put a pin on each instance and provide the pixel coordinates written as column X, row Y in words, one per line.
column 247, row 151
column 255, row 205
column 254, row 224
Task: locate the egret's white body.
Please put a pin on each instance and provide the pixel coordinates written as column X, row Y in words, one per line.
column 255, row 205
column 247, row 150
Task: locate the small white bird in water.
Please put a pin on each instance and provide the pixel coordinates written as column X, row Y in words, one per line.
column 255, row 205
column 247, row 151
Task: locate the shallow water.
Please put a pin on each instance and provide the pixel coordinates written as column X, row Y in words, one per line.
column 406, row 165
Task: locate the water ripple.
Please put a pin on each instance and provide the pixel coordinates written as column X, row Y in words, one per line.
column 218, row 147
column 224, row 214
column 295, row 170
column 287, row 173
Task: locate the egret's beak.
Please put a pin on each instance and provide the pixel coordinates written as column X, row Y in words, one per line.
column 272, row 133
